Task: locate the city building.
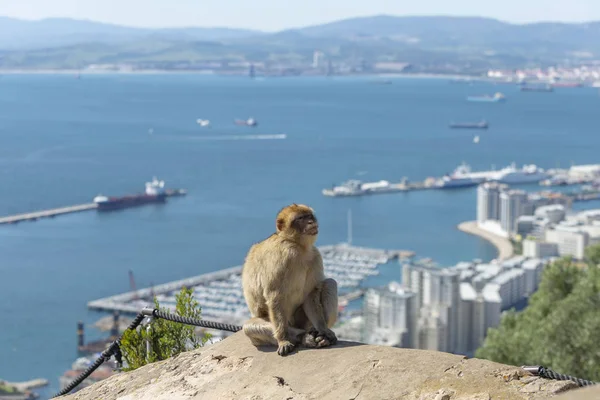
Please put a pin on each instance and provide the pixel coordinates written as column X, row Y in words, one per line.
column 448, row 309
column 488, row 202
column 438, row 293
column 571, row 241
column 318, row 59
column 539, row 249
column 512, row 204
column 390, row 316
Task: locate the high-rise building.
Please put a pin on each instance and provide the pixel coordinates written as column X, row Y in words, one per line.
column 477, row 312
column 488, row 201
column 390, row 312
column 433, row 328
column 511, row 207
column 318, row 58
column 438, row 288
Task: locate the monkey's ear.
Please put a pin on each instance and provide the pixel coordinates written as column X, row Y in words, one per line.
column 280, row 224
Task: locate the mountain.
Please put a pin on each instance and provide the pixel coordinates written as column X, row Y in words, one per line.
column 464, row 31
column 432, row 44
column 16, row 34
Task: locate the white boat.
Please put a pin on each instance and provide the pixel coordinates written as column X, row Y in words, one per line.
column 350, row 188
column 527, row 174
column 203, row 122
column 463, row 171
column 509, row 175
column 476, row 139
column 449, row 182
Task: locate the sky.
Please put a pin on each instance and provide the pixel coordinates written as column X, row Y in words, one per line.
column 272, row 15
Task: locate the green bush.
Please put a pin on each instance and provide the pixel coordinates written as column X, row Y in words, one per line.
column 167, row 339
column 559, row 328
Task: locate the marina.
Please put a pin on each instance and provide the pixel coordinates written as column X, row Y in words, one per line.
column 220, row 293
column 464, row 177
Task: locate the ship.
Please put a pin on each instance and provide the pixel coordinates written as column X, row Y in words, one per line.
column 248, row 122
column 508, row 175
column 469, row 125
column 565, row 84
column 527, row 174
column 496, row 98
column 537, row 88
column 452, row 182
column 155, row 193
column 355, row 187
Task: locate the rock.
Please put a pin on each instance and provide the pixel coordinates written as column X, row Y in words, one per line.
column 234, row 369
column 586, row 393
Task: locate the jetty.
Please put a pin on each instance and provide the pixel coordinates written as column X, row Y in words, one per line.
column 28, row 385
column 33, row 216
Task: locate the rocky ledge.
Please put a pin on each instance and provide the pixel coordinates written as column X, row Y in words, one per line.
column 234, row 369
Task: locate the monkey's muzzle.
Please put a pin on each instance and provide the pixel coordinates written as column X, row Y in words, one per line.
column 312, row 230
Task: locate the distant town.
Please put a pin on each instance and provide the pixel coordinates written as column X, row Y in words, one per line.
column 554, row 76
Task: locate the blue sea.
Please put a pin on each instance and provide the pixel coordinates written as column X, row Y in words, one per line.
column 65, row 140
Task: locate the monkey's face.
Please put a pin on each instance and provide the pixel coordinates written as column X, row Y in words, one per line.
column 306, row 224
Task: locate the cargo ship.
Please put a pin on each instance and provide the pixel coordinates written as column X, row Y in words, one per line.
column 537, row 88
column 469, row 125
column 565, row 84
column 155, row 193
column 496, row 98
column 247, row 122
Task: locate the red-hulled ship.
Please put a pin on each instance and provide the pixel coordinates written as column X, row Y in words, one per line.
column 155, row 193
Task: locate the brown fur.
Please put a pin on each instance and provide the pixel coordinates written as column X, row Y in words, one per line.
column 285, row 288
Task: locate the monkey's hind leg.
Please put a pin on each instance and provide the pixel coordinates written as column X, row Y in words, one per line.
column 322, row 310
column 329, row 300
column 260, row 332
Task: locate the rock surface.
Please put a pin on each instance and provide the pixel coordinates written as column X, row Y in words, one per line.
column 234, row 369
column 587, row 393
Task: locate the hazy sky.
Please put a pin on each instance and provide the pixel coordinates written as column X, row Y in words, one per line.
column 279, row 14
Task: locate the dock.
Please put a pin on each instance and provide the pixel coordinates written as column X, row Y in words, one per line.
column 28, row 385
column 220, row 293
column 33, row 216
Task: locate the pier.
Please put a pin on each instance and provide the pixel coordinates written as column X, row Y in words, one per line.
column 220, row 296
column 33, row 216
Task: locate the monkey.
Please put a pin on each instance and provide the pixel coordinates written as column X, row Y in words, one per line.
column 284, row 285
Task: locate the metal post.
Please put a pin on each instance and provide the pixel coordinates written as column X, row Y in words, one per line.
column 148, row 324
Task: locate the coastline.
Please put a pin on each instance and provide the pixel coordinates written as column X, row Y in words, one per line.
column 421, row 75
column 503, row 245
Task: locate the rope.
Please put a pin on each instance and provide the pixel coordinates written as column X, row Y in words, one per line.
column 549, row 374
column 196, row 322
column 115, row 350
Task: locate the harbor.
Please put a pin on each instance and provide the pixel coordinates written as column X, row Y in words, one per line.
column 155, row 193
column 464, row 177
column 220, row 293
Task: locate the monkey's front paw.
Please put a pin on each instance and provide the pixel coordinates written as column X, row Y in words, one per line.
column 325, row 338
column 285, row 348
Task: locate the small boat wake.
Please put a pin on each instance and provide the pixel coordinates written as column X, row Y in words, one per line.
column 235, row 137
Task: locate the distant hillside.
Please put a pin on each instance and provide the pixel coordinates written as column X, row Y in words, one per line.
column 463, row 31
column 16, row 34
column 432, row 44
